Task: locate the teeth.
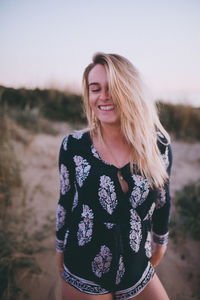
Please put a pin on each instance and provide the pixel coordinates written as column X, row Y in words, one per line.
column 106, row 107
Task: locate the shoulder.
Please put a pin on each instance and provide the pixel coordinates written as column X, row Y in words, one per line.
column 74, row 140
column 162, row 141
column 165, row 148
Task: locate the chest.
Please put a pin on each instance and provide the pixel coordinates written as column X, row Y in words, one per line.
column 100, row 186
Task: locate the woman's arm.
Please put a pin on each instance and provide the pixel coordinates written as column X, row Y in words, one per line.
column 161, row 215
column 64, row 207
column 158, row 254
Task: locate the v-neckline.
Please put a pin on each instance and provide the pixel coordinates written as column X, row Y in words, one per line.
column 96, row 154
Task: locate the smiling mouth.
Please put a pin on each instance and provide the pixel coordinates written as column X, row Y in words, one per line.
column 106, row 107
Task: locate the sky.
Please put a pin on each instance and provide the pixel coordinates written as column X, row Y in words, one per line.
column 46, row 43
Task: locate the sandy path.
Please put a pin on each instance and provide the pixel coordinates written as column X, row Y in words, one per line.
column 39, row 168
column 179, row 270
column 41, row 181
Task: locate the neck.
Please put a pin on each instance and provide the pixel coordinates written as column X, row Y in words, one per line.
column 112, row 133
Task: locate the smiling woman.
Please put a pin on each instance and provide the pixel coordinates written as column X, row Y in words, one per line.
column 114, row 190
column 101, row 101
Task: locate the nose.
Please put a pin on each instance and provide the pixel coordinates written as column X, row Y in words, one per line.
column 104, row 95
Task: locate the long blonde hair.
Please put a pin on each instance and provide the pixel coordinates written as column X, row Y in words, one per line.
column 138, row 115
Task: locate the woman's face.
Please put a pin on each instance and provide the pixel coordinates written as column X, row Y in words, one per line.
column 100, row 100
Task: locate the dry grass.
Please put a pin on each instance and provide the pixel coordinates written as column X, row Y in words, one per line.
column 28, row 107
column 31, row 120
column 183, row 121
column 16, row 249
column 9, row 167
column 188, row 205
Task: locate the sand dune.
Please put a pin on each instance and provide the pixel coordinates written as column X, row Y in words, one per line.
column 39, row 164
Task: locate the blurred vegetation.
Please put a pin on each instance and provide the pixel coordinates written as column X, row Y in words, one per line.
column 9, row 166
column 188, row 205
column 51, row 104
column 29, row 107
column 32, row 109
column 183, row 121
column 15, row 245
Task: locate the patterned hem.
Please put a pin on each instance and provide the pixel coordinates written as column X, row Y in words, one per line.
column 160, row 239
column 59, row 245
column 138, row 287
column 83, row 285
column 90, row 287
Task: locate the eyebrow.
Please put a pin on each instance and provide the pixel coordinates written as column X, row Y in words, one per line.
column 93, row 83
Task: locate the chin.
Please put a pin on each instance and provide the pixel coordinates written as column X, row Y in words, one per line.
column 110, row 122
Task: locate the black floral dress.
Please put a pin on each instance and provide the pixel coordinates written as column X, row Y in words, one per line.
column 106, row 234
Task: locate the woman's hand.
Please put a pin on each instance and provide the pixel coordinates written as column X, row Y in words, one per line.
column 60, row 261
column 158, row 254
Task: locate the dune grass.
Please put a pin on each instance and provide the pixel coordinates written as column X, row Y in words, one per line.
column 28, row 107
column 188, row 206
column 183, row 121
column 15, row 246
column 10, row 171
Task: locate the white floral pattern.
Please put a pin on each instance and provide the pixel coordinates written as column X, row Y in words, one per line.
column 77, row 135
column 147, row 245
column 102, row 261
column 161, row 198
column 96, row 154
column 60, row 217
column 75, row 202
column 84, row 233
column 82, row 169
column 64, row 179
column 109, row 225
column 165, row 157
column 135, row 235
column 107, row 195
column 150, row 212
column 65, row 142
column 160, row 134
column 66, row 237
column 120, row 271
column 140, row 190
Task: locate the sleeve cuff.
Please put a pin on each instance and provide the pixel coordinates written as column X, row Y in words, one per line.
column 160, row 239
column 59, row 245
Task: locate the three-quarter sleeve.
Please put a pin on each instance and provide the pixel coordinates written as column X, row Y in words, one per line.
column 64, row 208
column 161, row 215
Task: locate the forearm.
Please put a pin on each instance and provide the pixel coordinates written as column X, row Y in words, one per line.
column 158, row 254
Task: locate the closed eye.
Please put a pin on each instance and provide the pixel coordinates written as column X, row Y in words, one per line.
column 94, row 87
column 95, row 90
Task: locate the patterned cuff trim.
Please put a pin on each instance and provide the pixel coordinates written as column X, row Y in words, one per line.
column 160, row 239
column 59, row 245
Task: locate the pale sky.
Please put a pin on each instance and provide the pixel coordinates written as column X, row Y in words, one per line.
column 48, row 43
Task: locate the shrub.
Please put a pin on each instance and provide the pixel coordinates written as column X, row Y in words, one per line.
column 29, row 106
column 15, row 254
column 188, row 204
column 51, row 104
column 15, row 246
column 181, row 120
column 9, row 167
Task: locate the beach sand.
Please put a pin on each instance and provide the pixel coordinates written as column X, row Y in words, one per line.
column 38, row 156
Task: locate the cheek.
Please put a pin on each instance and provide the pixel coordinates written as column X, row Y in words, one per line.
column 92, row 101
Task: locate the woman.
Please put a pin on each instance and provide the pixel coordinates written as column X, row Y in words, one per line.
column 114, row 190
